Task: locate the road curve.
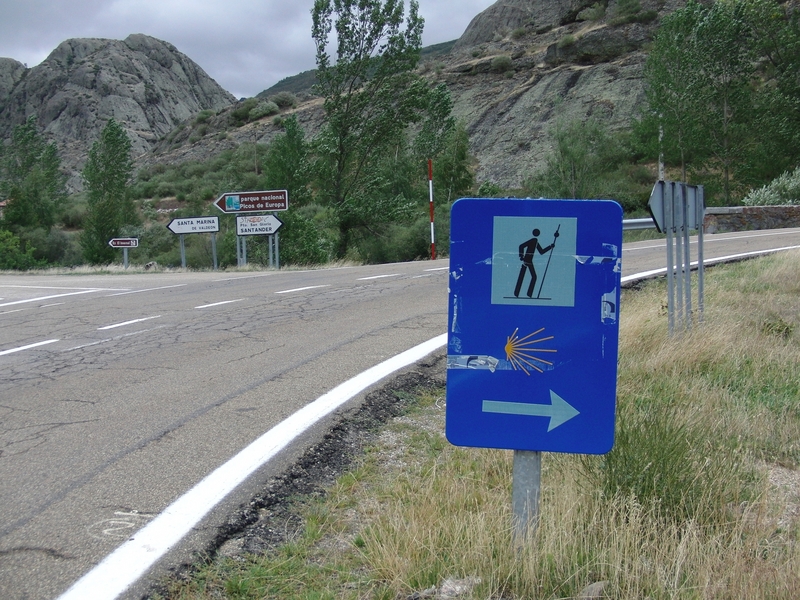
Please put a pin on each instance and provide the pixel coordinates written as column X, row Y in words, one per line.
column 119, row 393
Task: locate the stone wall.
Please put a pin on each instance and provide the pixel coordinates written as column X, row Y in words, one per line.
column 744, row 218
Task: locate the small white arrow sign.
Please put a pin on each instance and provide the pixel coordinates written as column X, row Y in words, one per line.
column 559, row 410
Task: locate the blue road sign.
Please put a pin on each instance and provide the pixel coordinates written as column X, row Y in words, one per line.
column 533, row 324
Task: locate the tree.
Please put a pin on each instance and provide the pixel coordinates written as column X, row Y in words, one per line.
column 723, row 90
column 286, row 164
column 107, row 175
column 372, row 95
column 12, row 256
column 31, row 180
column 673, row 84
column 727, row 67
column 776, row 38
column 583, row 156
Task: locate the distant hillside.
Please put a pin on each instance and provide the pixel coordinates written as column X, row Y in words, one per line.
column 144, row 83
column 519, row 67
column 303, row 83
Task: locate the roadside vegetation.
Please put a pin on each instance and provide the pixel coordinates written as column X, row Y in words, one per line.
column 699, row 497
column 723, row 110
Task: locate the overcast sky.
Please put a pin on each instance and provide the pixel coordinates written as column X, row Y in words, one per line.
column 245, row 45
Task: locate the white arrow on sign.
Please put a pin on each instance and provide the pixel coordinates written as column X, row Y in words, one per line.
column 559, row 410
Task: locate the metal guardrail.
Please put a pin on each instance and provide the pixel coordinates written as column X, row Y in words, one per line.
column 636, row 224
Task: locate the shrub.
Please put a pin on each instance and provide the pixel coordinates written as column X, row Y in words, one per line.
column 284, row 100
column 263, row 109
column 203, row 116
column 241, row 114
column 518, row 33
column 502, row 63
column 11, row 254
column 594, row 13
column 490, row 190
column 567, row 40
column 785, row 189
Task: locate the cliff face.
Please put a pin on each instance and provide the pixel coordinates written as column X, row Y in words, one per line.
column 520, row 66
column 145, row 84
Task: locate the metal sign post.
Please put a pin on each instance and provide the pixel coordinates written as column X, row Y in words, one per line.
column 676, row 208
column 527, row 371
column 124, row 243
column 186, row 225
column 261, row 225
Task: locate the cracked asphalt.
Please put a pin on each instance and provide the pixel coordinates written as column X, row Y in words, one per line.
column 119, row 392
column 157, row 379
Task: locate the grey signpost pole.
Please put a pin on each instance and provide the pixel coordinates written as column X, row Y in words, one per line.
column 668, row 226
column 277, row 252
column 700, row 207
column 214, row 249
column 526, row 489
column 269, row 247
column 183, row 250
column 687, row 271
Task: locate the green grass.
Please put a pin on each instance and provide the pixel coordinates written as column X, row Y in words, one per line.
column 681, row 508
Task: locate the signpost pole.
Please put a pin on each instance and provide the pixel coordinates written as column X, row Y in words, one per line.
column 214, row 249
column 669, row 224
column 269, row 247
column 244, row 251
column 526, row 490
column 183, row 250
column 700, row 206
column 687, row 256
column 430, row 188
column 277, row 253
column 125, row 258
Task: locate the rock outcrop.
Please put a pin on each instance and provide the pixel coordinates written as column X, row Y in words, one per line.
column 519, row 67
column 145, row 84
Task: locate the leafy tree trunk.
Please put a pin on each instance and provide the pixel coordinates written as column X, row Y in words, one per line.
column 107, row 175
column 371, row 97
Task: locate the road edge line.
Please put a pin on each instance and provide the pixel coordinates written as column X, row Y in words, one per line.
column 129, row 562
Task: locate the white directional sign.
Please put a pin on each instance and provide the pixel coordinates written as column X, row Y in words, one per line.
column 124, row 242
column 257, row 225
column 194, row 225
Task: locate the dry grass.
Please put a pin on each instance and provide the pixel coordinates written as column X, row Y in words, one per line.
column 698, row 499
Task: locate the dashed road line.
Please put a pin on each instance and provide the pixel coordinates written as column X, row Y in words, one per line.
column 115, row 325
column 28, row 347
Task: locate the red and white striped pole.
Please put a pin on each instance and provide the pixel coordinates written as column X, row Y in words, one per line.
column 430, row 187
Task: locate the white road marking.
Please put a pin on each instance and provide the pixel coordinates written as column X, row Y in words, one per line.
column 12, row 350
column 438, row 269
column 40, row 298
column 219, row 303
column 115, row 325
column 54, row 304
column 707, row 261
column 113, row 339
column 719, row 237
column 166, row 287
column 302, row 289
column 120, row 569
column 378, row 277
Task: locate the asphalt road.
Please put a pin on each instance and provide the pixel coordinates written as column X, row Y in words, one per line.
column 120, row 392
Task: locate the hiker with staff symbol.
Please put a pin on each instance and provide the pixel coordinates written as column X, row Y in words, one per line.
column 527, row 251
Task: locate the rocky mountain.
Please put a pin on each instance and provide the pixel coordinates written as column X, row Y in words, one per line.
column 143, row 83
column 519, row 67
